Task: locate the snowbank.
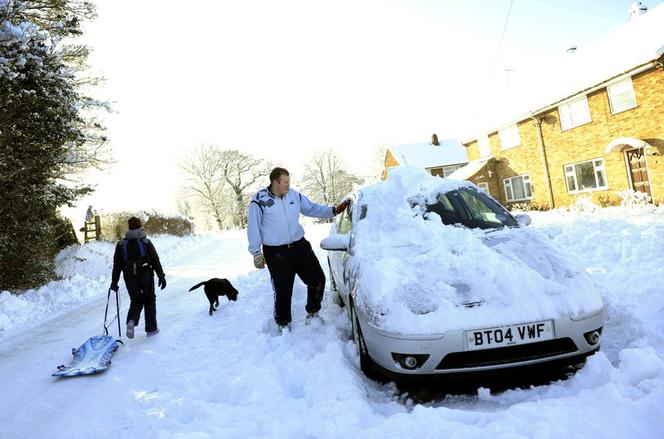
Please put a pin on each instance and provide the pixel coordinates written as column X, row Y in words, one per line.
column 85, row 272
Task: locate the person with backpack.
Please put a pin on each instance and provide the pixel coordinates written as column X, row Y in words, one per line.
column 137, row 258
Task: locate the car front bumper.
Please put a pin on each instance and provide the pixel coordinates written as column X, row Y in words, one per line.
column 447, row 354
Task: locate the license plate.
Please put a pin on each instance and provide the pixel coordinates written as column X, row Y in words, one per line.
column 490, row 338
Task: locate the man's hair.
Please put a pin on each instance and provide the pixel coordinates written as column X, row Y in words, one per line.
column 277, row 173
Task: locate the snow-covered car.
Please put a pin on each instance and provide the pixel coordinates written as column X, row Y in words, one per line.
column 439, row 278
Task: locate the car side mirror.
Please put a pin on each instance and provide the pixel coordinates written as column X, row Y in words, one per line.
column 523, row 219
column 337, row 242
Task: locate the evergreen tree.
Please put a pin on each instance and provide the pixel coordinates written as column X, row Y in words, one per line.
column 44, row 139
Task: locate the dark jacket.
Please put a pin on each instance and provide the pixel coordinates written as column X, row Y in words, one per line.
column 133, row 253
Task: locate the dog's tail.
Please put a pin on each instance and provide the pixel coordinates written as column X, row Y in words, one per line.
column 197, row 285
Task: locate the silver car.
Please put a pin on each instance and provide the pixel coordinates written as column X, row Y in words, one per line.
column 467, row 351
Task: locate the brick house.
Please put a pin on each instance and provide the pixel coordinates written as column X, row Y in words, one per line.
column 595, row 126
column 439, row 158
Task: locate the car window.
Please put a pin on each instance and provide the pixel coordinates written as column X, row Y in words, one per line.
column 472, row 209
column 484, row 212
column 445, row 209
column 345, row 223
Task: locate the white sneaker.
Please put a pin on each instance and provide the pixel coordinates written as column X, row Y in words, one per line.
column 155, row 332
column 130, row 329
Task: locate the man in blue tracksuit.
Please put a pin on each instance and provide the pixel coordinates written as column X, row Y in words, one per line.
column 273, row 224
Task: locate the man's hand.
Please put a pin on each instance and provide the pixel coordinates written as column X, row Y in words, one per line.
column 162, row 282
column 259, row 261
column 341, row 207
column 114, row 287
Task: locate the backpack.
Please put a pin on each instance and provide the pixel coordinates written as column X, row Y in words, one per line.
column 136, row 265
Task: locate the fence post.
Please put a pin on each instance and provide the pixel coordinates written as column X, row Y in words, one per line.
column 97, row 227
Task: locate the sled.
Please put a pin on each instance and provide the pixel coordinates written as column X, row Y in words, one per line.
column 91, row 357
column 95, row 354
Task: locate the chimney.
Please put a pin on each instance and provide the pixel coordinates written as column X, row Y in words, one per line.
column 637, row 9
column 434, row 139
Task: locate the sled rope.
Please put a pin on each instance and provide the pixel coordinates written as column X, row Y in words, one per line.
column 117, row 313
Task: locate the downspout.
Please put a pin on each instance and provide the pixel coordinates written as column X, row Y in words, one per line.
column 545, row 163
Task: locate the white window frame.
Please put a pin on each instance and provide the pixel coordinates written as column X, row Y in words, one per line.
column 509, row 137
column 448, row 169
column 484, row 187
column 574, row 113
column 508, row 185
column 569, row 171
column 483, row 145
column 614, row 93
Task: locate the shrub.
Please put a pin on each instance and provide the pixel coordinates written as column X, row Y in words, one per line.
column 584, row 204
column 114, row 224
column 632, row 198
column 528, row 206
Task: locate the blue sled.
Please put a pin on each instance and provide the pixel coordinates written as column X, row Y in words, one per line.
column 93, row 356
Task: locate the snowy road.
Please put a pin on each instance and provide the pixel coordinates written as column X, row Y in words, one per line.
column 229, row 376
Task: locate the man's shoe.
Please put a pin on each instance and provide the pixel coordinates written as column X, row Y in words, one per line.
column 130, row 329
column 155, row 332
column 311, row 317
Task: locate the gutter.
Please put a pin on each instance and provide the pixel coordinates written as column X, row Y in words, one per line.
column 529, row 115
column 635, row 71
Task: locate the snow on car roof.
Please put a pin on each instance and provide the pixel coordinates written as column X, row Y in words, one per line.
column 416, row 274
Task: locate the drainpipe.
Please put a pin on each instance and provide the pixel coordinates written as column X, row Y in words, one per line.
column 545, row 163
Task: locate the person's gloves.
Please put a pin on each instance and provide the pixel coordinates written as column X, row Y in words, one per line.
column 114, row 287
column 341, row 207
column 162, row 282
column 259, row 261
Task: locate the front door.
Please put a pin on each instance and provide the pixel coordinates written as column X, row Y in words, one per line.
column 636, row 162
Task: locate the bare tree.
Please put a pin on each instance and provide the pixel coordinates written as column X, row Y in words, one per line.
column 221, row 181
column 241, row 172
column 205, row 180
column 326, row 180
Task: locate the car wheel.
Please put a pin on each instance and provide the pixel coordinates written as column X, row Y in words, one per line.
column 336, row 297
column 366, row 363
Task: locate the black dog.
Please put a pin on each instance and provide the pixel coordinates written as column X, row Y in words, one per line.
column 217, row 287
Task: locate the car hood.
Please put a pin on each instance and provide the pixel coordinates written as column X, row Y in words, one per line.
column 415, row 275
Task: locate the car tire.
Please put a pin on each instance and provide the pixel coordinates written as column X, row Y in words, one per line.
column 336, row 297
column 366, row 363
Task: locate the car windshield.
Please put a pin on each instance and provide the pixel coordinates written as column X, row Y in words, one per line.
column 471, row 208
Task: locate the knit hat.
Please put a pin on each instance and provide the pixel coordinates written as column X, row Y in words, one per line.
column 134, row 223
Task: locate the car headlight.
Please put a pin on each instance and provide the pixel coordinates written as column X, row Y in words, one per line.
column 584, row 316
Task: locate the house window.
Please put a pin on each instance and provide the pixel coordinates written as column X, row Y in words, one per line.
column 484, row 187
column 509, row 137
column 447, row 170
column 436, row 172
column 585, row 176
column 574, row 113
column 621, row 96
column 483, row 143
column 518, row 188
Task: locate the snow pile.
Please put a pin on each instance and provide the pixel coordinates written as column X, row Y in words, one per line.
column 416, row 273
column 86, row 275
column 622, row 250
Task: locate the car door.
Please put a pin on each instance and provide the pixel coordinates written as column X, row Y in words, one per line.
column 338, row 259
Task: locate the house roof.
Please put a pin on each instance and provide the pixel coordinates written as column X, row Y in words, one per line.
column 637, row 43
column 427, row 155
column 470, row 169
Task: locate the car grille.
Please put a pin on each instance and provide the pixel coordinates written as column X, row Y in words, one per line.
column 509, row 354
